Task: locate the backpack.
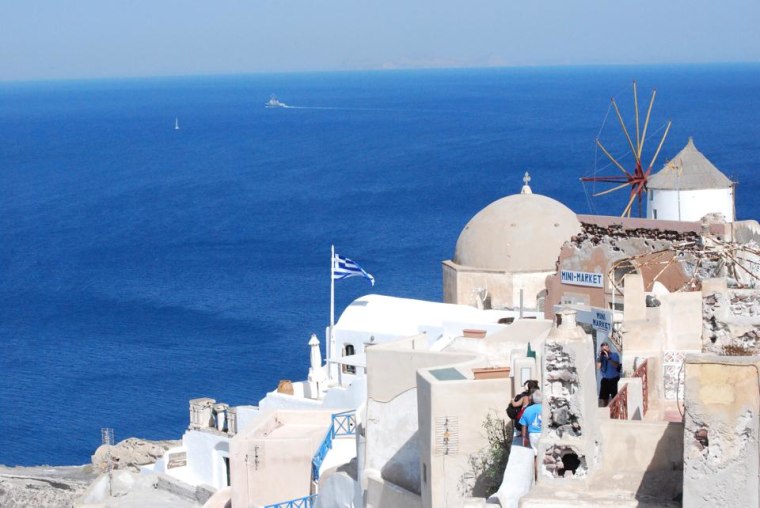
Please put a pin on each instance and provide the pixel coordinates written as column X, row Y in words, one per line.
column 514, row 412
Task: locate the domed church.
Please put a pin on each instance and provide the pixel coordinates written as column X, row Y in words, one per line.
column 507, row 250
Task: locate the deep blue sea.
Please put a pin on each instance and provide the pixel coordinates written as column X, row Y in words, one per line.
column 142, row 266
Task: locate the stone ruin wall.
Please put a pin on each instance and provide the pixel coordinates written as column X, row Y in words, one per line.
column 561, row 397
column 653, row 239
column 597, row 247
column 731, row 322
column 619, row 242
column 563, row 401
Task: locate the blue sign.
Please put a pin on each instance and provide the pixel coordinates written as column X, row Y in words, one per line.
column 602, row 320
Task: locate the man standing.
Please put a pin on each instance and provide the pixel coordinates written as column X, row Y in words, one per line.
column 531, row 427
column 608, row 364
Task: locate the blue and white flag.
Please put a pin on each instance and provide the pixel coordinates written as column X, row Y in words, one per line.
column 344, row 268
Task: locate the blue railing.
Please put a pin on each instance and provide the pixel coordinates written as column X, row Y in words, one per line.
column 343, row 424
column 302, row 502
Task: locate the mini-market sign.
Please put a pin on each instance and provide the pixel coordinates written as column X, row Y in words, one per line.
column 587, row 279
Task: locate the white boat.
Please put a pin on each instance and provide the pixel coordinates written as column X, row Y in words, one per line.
column 176, row 124
column 274, row 103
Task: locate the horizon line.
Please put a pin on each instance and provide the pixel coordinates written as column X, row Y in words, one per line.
column 378, row 69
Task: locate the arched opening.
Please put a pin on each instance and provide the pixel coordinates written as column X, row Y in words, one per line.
column 564, row 462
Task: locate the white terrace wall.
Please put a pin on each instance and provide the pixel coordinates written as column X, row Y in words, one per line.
column 722, row 424
column 648, row 454
column 451, row 431
column 391, row 441
column 206, row 452
column 271, row 461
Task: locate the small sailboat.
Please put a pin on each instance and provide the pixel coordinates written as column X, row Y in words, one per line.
column 176, row 124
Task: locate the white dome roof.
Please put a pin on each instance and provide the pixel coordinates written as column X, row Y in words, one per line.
column 518, row 233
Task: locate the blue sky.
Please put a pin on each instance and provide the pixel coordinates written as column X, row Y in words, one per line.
column 42, row 39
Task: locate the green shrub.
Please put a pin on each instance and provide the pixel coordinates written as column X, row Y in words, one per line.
column 489, row 464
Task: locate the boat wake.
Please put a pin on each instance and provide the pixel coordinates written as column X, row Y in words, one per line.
column 338, row 108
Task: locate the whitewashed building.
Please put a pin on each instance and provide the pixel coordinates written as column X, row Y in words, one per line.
column 689, row 187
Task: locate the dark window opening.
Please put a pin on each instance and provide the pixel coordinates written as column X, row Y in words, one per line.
column 348, row 350
column 570, row 462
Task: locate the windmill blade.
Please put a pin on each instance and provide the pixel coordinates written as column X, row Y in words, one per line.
column 627, row 136
column 609, row 156
column 636, row 110
column 627, row 211
column 610, row 190
column 646, row 123
column 606, row 179
column 665, row 135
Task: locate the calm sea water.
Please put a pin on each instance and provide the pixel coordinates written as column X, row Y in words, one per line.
column 141, row 266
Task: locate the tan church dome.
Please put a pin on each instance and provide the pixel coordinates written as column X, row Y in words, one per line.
column 518, row 233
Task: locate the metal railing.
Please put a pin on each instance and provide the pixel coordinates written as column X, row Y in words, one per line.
column 343, row 424
column 619, row 405
column 641, row 372
column 301, row 502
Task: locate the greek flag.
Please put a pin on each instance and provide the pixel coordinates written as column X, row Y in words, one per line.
column 344, row 268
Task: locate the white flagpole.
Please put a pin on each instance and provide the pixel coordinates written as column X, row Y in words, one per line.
column 331, row 339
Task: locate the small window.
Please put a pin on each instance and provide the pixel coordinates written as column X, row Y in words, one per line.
column 654, row 213
column 348, row 350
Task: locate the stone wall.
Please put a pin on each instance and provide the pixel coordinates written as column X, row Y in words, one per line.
column 569, row 443
column 562, row 375
column 731, row 319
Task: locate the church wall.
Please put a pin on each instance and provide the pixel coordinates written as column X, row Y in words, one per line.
column 449, row 282
column 463, row 284
column 498, row 288
column 533, row 284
